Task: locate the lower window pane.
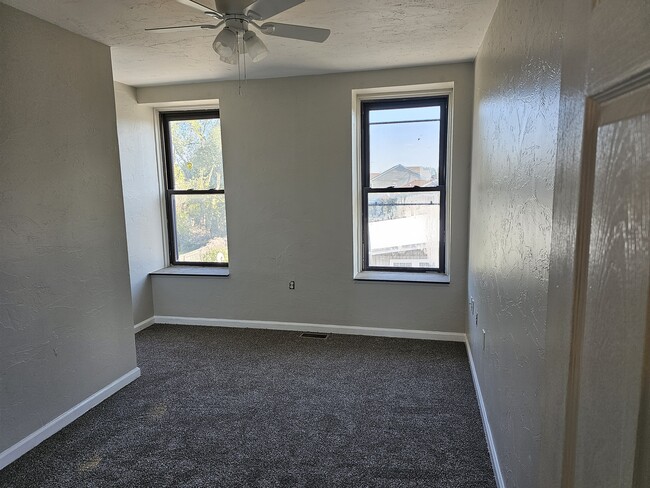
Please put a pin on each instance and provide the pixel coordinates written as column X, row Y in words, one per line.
column 200, row 228
column 404, row 230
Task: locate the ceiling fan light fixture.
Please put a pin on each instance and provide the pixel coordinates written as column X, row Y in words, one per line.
column 235, row 39
column 254, row 46
column 232, row 59
column 225, row 44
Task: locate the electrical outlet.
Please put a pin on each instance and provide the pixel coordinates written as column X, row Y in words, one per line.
column 292, row 285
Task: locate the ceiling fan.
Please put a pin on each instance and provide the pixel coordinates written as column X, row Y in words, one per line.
column 237, row 16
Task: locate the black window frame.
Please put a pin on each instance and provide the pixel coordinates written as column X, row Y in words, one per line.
column 396, row 103
column 165, row 118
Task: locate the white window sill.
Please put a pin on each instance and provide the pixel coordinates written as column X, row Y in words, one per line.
column 193, row 271
column 402, row 276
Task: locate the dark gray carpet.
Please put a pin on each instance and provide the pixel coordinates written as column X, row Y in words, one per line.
column 234, row 407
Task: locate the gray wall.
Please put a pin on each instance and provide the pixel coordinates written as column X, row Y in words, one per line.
column 65, row 322
column 514, row 153
column 135, row 128
column 287, row 162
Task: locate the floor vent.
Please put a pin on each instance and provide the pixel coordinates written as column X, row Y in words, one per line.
column 314, row 335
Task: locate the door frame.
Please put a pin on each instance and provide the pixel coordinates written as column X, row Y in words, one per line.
column 597, row 107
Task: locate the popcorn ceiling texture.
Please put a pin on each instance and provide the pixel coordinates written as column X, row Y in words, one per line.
column 517, row 87
column 366, row 35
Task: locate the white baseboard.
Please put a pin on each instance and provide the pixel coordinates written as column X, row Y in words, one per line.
column 35, row 438
column 304, row 327
column 144, row 324
column 486, row 424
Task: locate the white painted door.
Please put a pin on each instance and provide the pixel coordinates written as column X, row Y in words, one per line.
column 611, row 404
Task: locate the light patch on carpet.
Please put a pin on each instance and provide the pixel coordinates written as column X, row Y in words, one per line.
column 157, row 411
column 90, row 464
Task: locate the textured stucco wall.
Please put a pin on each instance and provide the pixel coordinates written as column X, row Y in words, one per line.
column 288, row 171
column 135, row 130
column 65, row 307
column 517, row 88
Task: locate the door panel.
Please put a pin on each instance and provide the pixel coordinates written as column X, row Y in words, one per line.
column 612, row 378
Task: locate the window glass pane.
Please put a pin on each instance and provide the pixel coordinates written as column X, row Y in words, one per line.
column 404, row 147
column 196, row 154
column 200, row 228
column 404, row 229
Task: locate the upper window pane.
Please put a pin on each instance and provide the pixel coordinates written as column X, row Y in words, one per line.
column 196, row 154
column 404, row 147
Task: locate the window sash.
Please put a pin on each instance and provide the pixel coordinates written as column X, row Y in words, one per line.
column 167, row 117
column 210, row 191
column 172, row 239
column 366, row 189
column 366, row 228
column 171, row 227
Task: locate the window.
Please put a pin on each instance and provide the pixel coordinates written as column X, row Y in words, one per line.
column 403, row 184
column 195, row 195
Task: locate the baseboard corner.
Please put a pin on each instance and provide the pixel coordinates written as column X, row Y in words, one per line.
column 26, row 444
column 140, row 326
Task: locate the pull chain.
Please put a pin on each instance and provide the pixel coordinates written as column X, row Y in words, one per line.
column 239, row 61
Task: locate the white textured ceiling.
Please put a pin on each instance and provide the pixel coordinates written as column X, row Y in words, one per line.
column 366, row 34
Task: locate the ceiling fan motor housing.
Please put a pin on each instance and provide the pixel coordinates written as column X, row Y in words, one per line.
column 237, row 23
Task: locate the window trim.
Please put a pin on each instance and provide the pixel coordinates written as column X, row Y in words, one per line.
column 168, row 177
column 359, row 96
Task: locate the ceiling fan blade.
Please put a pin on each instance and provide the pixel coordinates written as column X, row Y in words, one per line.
column 263, row 9
column 181, row 28
column 301, row 32
column 199, row 6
